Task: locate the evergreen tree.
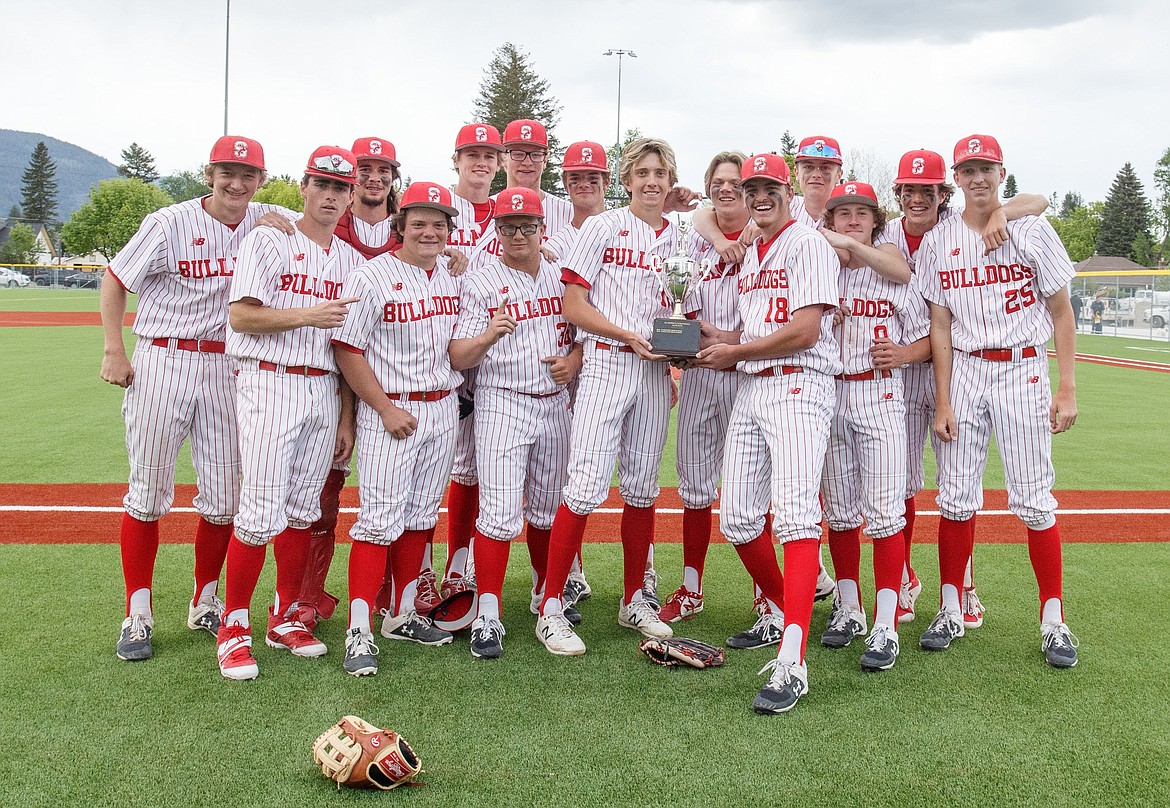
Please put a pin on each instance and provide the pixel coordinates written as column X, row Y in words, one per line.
column 616, row 194
column 1072, row 201
column 39, row 189
column 1009, row 187
column 1125, row 218
column 14, row 211
column 138, row 164
column 788, row 144
column 512, row 90
column 184, row 185
column 1162, row 209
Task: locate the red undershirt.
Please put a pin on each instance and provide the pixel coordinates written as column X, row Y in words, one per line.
column 913, row 242
column 763, row 247
column 203, row 204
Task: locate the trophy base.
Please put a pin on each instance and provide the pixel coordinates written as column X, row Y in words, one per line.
column 676, row 337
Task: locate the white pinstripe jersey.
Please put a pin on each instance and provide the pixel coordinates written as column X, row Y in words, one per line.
column 873, row 303
column 373, row 235
column 514, row 363
column 801, row 214
column 997, row 300
column 403, row 323
column 558, row 214
column 614, row 257
column 289, row 272
column 562, row 243
column 799, row 269
column 895, row 233
column 467, row 232
column 717, row 298
column 180, row 263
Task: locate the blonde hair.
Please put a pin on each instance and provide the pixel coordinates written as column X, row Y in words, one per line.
column 638, row 149
column 736, row 158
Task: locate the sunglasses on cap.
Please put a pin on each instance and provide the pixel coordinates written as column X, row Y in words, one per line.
column 823, row 150
column 343, row 167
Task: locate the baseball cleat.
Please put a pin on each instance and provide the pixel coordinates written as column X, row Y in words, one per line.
column 234, row 651
column 946, row 626
column 487, row 638
column 642, row 617
column 557, row 636
column 825, row 585
column 455, row 585
column 881, row 649
column 650, row 588
column 845, row 624
column 426, row 597
column 907, row 596
column 570, row 612
column 1059, row 645
column 682, row 604
column 784, row 688
column 768, row 630
column 972, row 609
column 205, row 615
column 414, row 627
column 290, row 634
column 577, row 589
column 134, row 641
column 361, row 655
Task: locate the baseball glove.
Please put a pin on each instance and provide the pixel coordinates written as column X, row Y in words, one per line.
column 681, row 651
column 356, row 754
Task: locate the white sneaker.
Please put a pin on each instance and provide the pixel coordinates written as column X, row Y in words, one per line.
column 641, row 616
column 825, row 585
column 556, row 633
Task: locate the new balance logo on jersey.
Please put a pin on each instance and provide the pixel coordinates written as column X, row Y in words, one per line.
column 955, row 251
column 420, row 309
column 310, row 287
column 888, row 397
column 624, row 233
column 969, row 277
column 299, row 257
column 795, row 391
column 207, row 268
column 1034, row 380
column 198, row 241
column 398, row 286
column 504, row 290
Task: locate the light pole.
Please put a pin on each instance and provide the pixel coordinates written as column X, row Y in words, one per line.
column 227, row 39
column 619, row 53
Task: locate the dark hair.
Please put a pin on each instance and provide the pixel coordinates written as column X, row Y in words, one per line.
column 400, row 220
column 945, row 191
column 879, row 220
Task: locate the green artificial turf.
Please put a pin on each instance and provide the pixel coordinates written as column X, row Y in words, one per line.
column 38, row 298
column 986, row 723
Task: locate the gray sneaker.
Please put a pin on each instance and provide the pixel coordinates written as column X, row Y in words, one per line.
column 361, row 655
column 577, row 589
column 945, row 627
column 487, row 638
column 768, row 630
column 205, row 615
column 650, row 588
column 785, row 686
column 1059, row 645
column 570, row 611
column 881, row 649
column 134, row 641
column 845, row 624
column 411, row 626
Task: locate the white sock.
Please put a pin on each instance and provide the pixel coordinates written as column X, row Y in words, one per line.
column 821, row 559
column 140, row 602
column 774, row 608
column 428, row 558
column 238, row 616
column 458, row 562
column 950, row 598
column 489, row 606
column 849, row 593
column 407, row 599
column 887, row 608
column 691, row 580
column 1052, row 611
column 359, row 615
column 551, row 607
column 968, row 574
column 207, row 592
column 905, row 573
column 577, row 568
column 650, row 557
column 790, row 645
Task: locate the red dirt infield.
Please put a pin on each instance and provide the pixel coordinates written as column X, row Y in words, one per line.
column 91, row 514
column 44, row 318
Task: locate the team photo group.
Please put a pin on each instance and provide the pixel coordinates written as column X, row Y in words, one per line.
column 506, row 350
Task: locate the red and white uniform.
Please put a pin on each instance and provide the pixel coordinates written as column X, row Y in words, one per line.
column 997, row 302
column 403, row 323
column 371, row 240
column 558, row 216
column 288, row 396
column 779, row 430
column 801, row 214
column 180, row 263
column 470, row 224
column 622, row 405
column 522, row 415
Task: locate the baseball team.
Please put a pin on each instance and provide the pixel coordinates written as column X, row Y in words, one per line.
column 499, row 349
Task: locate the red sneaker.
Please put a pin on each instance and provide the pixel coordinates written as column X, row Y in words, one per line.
column 682, row 604
column 291, row 634
column 972, row 609
column 234, row 649
column 907, row 596
column 426, row 598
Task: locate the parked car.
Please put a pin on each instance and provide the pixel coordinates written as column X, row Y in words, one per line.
column 52, row 276
column 1157, row 317
column 84, row 280
column 11, row 278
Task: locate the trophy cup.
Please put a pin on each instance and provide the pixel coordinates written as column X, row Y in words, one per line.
column 678, row 276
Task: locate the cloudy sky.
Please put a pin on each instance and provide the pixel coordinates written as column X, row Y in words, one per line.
column 1072, row 89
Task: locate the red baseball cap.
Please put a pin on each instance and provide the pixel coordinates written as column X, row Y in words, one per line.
column 375, row 148
column 860, row 193
column 921, row 167
column 333, row 162
column 479, row 134
column 518, row 202
column 766, row 166
column 526, row 132
column 977, row 147
column 237, row 149
column 428, row 195
column 820, row 147
column 585, row 155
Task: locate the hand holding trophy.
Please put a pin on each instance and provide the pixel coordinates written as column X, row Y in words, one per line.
column 679, row 275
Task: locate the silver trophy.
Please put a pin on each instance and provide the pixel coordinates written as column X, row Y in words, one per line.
column 678, row 276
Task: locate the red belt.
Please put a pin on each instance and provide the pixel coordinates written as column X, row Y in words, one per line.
column 429, row 395
column 866, row 376
column 193, row 345
column 780, row 370
column 605, row 346
column 1003, row 354
column 296, row 370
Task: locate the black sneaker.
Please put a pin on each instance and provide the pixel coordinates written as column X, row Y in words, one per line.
column 134, row 641
column 487, row 638
column 945, row 627
column 845, row 624
column 881, row 649
column 570, row 611
column 577, row 589
column 361, row 655
column 785, row 686
column 411, row 626
column 572, row 615
column 1059, row 645
column 768, row 630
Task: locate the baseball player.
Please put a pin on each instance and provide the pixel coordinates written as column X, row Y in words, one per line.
column 865, row 467
column 393, row 352
column 779, row 429
column 991, row 315
column 512, row 325
column 622, row 406
column 924, row 195
column 285, row 300
column 181, row 383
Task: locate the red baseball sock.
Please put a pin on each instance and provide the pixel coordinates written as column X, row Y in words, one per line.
column 955, row 542
column 908, row 532
column 290, row 548
column 406, row 559
column 366, row 563
column 696, row 538
column 139, row 542
column 637, row 536
column 845, row 550
column 1044, row 551
column 538, row 540
column 244, row 563
column 491, row 562
column 759, row 559
column 563, row 545
column 802, row 564
column 462, row 511
column 887, row 567
column 211, row 544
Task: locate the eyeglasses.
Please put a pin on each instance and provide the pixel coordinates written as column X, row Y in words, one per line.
column 509, row 230
column 521, row 156
column 334, row 165
column 818, row 150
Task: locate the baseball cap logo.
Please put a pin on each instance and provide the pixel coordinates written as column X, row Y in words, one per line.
column 587, row 155
column 851, row 189
column 974, row 146
column 375, row 147
column 240, row 149
column 760, row 164
column 517, row 202
column 433, row 195
column 480, row 133
column 917, row 166
column 526, row 132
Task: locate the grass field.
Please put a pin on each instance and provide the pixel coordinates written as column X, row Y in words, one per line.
column 987, row 723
